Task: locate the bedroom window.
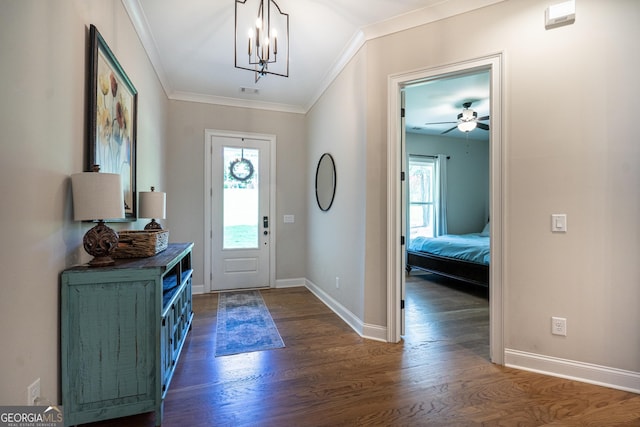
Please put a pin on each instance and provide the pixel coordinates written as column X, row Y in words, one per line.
column 422, row 196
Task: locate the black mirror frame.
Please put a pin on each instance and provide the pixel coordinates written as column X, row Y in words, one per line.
column 333, row 193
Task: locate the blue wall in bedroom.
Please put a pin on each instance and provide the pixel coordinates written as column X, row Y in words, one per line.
column 468, row 178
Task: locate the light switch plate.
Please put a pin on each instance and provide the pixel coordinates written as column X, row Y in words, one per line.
column 559, row 223
column 289, row 219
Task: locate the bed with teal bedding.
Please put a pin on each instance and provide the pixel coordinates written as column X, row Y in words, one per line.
column 463, row 257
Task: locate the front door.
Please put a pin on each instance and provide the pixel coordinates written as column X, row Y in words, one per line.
column 240, row 213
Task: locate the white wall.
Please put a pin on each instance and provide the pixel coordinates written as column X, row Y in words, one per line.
column 467, row 178
column 336, row 238
column 43, row 46
column 571, row 147
column 185, row 188
column 584, row 74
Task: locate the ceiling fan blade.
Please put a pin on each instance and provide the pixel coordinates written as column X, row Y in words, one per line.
column 482, row 126
column 483, row 118
column 448, row 130
column 439, row 123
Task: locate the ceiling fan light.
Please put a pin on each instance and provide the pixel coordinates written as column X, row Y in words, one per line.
column 467, row 126
column 467, row 115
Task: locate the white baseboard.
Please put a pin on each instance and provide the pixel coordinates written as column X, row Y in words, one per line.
column 375, row 332
column 573, row 370
column 290, row 283
column 346, row 315
column 197, row 289
column 365, row 330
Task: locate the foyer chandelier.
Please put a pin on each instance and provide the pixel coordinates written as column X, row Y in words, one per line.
column 265, row 47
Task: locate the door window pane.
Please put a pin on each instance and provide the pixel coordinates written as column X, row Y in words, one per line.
column 240, row 198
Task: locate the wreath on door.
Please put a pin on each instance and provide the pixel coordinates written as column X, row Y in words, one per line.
column 241, row 169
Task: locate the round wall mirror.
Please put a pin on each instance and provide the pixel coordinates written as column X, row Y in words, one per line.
column 325, row 182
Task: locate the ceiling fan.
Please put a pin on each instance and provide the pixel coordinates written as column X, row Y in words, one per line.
column 467, row 121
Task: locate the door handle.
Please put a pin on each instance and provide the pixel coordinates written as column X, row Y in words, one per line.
column 265, row 222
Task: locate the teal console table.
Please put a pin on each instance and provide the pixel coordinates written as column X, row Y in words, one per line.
column 122, row 330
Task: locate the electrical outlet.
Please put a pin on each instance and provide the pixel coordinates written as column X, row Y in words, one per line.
column 33, row 392
column 559, row 326
column 337, row 282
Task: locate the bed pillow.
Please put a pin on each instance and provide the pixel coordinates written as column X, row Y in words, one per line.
column 486, row 230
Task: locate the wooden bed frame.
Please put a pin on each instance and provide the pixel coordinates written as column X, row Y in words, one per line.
column 471, row 272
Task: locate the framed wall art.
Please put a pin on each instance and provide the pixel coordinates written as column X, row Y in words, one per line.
column 113, row 102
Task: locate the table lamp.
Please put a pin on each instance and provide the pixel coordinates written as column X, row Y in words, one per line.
column 96, row 197
column 153, row 204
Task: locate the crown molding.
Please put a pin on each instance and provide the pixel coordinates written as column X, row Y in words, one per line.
column 357, row 41
column 141, row 26
column 426, row 15
column 236, row 102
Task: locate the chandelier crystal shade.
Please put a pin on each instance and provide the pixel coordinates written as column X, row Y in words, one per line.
column 261, row 38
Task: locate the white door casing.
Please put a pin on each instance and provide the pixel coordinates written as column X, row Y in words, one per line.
column 403, row 203
column 395, row 251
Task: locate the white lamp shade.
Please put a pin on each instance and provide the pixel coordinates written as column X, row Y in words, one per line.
column 153, row 204
column 97, row 196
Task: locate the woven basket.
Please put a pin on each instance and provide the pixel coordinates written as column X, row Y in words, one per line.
column 141, row 243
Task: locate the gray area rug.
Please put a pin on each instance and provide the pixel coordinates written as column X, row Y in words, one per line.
column 244, row 324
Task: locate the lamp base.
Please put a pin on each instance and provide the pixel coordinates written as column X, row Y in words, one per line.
column 153, row 225
column 100, row 242
column 101, row 261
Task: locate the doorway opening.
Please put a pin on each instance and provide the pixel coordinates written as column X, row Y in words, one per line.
column 397, row 218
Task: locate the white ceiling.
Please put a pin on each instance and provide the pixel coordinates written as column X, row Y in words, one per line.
column 440, row 100
column 191, row 45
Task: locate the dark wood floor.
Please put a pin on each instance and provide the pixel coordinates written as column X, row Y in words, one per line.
column 440, row 375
